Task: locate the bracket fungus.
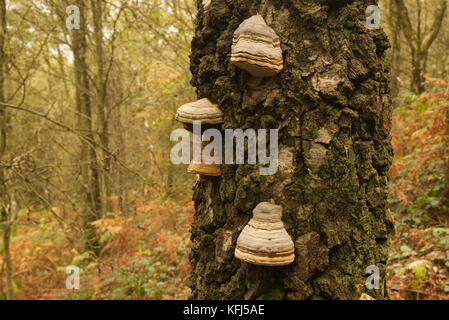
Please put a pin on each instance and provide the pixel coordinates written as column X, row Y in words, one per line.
column 256, row 48
column 264, row 240
column 205, row 169
column 202, row 110
column 210, row 116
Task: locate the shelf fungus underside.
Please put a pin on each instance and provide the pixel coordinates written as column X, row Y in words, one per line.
column 211, row 170
column 206, row 169
column 256, row 48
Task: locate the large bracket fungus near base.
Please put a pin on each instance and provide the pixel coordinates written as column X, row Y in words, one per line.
column 264, row 240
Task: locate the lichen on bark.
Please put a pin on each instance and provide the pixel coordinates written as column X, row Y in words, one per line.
column 332, row 107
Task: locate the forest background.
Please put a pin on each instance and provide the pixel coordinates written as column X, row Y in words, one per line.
column 85, row 174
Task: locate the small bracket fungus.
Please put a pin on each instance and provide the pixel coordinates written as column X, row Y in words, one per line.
column 264, row 240
column 211, row 169
column 256, row 48
column 202, row 110
column 210, row 116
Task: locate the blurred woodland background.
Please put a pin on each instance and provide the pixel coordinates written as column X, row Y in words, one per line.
column 85, row 174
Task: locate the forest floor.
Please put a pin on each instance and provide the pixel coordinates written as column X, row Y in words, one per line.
column 146, row 257
column 145, row 254
column 419, row 202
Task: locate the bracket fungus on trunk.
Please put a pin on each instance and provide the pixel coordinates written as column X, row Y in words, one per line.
column 264, row 240
column 205, row 169
column 256, row 48
column 210, row 116
column 202, row 110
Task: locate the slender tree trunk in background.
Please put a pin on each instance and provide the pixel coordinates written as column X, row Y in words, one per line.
column 419, row 67
column 5, row 218
column 170, row 169
column 119, row 174
column 420, row 44
column 444, row 72
column 101, row 99
column 62, row 70
column 124, row 157
column 91, row 187
column 120, row 182
column 8, row 262
column 50, row 85
column 332, row 107
column 395, row 61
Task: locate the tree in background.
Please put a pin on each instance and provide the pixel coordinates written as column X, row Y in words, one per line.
column 331, row 105
column 395, row 52
column 5, row 201
column 90, row 171
column 419, row 39
column 92, row 110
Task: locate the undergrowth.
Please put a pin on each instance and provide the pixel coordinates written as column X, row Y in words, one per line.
column 419, row 198
column 144, row 255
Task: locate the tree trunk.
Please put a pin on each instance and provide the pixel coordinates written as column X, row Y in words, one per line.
column 420, row 44
column 8, row 262
column 90, row 177
column 101, row 100
column 395, row 61
column 5, row 219
column 332, row 107
column 419, row 62
column 120, row 178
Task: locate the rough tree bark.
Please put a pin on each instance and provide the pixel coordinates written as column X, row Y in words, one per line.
column 332, row 107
